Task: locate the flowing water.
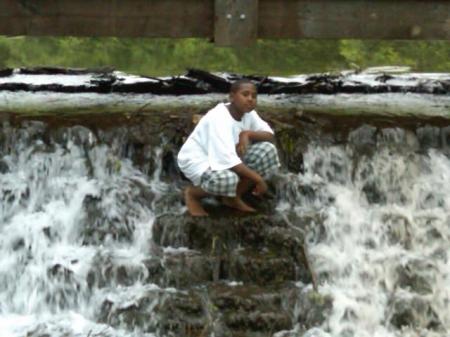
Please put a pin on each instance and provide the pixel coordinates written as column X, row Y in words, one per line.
column 382, row 248
column 72, row 206
column 51, row 192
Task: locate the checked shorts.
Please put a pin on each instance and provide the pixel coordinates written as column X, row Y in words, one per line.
column 261, row 157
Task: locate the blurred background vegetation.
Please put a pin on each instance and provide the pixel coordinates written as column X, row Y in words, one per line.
column 160, row 57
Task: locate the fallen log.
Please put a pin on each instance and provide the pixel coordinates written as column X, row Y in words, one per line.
column 202, row 82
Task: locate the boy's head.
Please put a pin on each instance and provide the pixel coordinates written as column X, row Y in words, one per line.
column 243, row 95
column 235, row 86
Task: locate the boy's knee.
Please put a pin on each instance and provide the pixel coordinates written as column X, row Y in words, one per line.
column 261, row 150
column 263, row 158
column 271, row 148
column 220, row 182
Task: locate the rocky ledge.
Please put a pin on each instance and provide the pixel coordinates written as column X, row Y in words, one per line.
column 239, row 275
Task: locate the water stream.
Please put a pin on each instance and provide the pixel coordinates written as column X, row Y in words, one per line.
column 53, row 192
column 73, row 206
column 381, row 249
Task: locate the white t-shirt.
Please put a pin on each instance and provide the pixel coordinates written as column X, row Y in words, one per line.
column 212, row 144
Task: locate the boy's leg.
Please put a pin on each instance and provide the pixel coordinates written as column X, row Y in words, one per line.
column 225, row 184
column 243, row 186
column 263, row 158
column 237, row 203
column 192, row 197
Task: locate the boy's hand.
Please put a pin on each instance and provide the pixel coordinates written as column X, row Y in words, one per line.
column 260, row 188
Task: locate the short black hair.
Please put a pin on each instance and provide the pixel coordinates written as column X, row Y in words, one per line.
column 237, row 84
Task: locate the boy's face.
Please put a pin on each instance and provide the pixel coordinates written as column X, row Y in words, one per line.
column 244, row 99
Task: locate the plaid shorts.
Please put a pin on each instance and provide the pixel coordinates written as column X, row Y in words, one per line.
column 261, row 157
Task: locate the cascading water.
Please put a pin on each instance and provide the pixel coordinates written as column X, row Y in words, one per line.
column 70, row 207
column 380, row 247
column 76, row 216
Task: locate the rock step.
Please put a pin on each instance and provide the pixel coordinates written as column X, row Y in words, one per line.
column 214, row 236
column 220, row 308
column 155, row 310
column 186, row 268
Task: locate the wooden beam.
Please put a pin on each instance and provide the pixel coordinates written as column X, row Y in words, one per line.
column 359, row 19
column 130, row 18
column 236, row 22
column 297, row 19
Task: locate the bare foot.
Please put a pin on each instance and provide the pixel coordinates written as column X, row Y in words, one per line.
column 237, row 203
column 192, row 200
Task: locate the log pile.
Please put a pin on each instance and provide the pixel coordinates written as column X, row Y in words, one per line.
column 202, row 82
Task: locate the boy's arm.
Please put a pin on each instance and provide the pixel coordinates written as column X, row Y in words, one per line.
column 247, row 136
column 257, row 136
column 244, row 171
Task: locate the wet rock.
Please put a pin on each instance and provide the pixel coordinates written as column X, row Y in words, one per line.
column 417, row 276
column 429, row 137
column 373, row 193
column 291, row 147
column 154, row 267
column 78, row 135
column 220, row 329
column 151, row 144
column 398, row 229
column 101, row 224
column 259, row 267
column 18, row 243
column 248, row 308
column 220, row 234
column 181, row 314
column 258, row 255
column 257, row 321
column 108, row 270
column 188, row 269
column 31, row 132
column 415, row 312
column 363, row 139
column 52, row 234
column 170, row 202
column 165, row 313
column 116, row 138
column 4, row 167
column 313, row 308
column 100, row 227
column 289, row 188
column 253, row 249
column 445, row 138
column 65, row 287
column 398, row 139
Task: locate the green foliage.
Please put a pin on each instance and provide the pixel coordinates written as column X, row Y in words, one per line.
column 160, row 57
column 4, row 54
column 423, row 56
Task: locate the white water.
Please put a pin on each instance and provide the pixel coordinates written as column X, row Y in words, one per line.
column 384, row 214
column 368, row 241
column 45, row 256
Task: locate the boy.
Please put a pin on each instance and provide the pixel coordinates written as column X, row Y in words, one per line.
column 228, row 152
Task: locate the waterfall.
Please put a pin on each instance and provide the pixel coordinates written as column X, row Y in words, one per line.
column 76, row 215
column 380, row 245
column 71, row 208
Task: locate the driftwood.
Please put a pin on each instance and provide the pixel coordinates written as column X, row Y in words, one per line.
column 202, row 82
